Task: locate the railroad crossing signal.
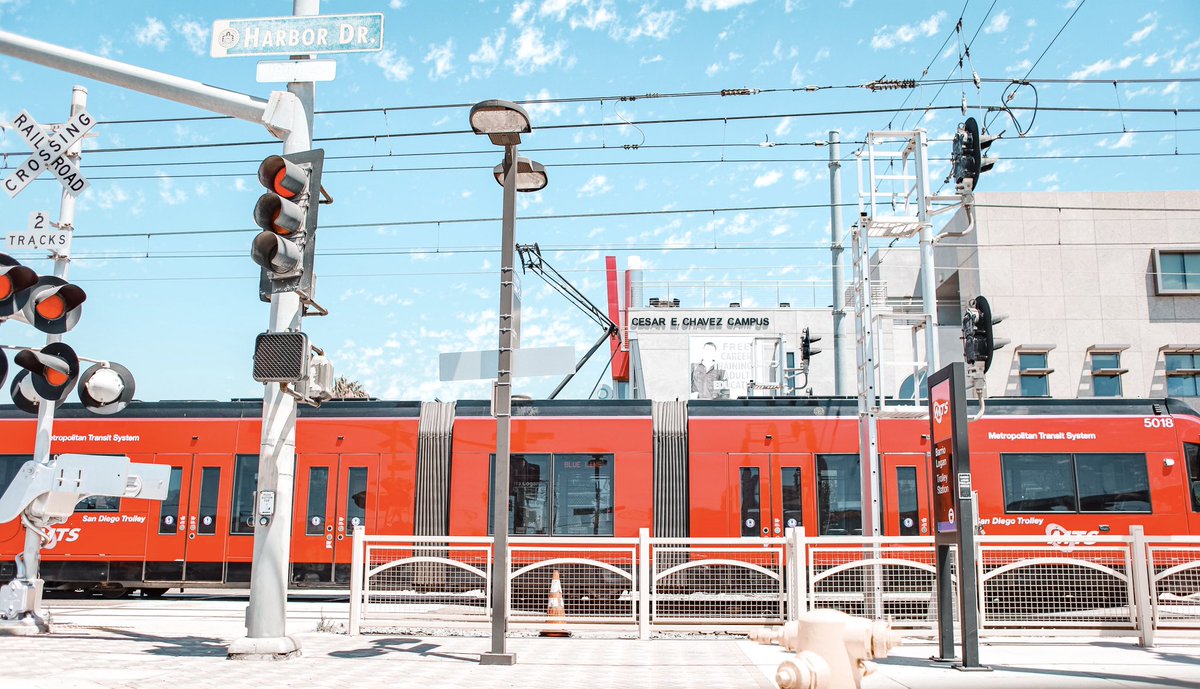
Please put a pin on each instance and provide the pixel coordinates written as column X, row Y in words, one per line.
column 53, row 305
column 287, row 214
column 49, row 145
column 15, row 280
column 106, row 388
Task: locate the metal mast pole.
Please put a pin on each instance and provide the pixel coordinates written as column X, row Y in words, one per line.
column 503, row 411
column 266, row 617
column 928, row 285
column 835, row 246
column 31, row 559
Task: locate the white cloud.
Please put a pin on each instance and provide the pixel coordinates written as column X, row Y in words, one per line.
column 822, row 54
column 1049, row 179
column 802, row 176
column 484, row 61
column 998, row 24
column 1021, row 66
column 710, row 5
column 650, row 60
column 766, row 180
column 540, row 112
column 532, row 53
column 194, row 33
column 596, row 15
column 396, row 4
column 1126, row 141
column 651, row 24
column 785, row 126
column 595, row 186
column 1141, row 34
column 519, row 11
column 1170, row 88
column 885, row 39
column 555, row 8
column 713, row 69
column 1096, row 68
column 168, row 193
column 152, row 34
column 442, row 57
column 395, row 67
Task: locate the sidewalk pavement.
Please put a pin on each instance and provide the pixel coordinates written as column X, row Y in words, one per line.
column 182, row 643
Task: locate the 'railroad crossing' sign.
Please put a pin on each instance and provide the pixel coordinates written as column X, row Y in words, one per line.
column 49, row 147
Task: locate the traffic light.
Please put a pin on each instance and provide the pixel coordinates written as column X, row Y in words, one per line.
column 970, row 155
column 15, row 279
column 50, row 371
column 52, row 305
column 806, row 348
column 106, row 388
column 287, row 214
column 979, row 338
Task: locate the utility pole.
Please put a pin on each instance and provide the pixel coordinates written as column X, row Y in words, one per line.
column 266, row 617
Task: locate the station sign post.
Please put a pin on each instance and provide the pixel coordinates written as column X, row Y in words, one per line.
column 954, row 516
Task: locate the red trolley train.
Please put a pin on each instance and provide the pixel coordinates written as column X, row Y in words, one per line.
column 730, row 468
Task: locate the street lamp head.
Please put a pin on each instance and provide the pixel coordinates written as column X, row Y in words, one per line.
column 531, row 175
column 502, row 121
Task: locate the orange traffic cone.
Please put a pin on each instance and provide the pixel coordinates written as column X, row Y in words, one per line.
column 555, row 612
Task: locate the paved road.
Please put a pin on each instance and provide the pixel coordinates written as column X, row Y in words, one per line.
column 181, row 642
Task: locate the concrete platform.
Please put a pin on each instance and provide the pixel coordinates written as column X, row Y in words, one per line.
column 182, row 642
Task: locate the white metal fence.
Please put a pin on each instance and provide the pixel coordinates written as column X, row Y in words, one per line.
column 1124, row 583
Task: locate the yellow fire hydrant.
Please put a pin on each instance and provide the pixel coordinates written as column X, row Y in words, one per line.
column 832, row 649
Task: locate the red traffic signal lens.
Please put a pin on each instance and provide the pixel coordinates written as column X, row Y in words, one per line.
column 278, row 185
column 52, row 307
column 56, row 378
column 6, row 287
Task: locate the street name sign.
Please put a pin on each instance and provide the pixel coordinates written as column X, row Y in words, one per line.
column 533, row 361
column 49, row 145
column 288, row 71
column 332, row 33
column 40, row 234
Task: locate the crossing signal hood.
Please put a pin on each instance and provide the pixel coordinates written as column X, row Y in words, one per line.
column 15, row 281
column 287, row 214
column 49, row 374
column 979, row 337
column 52, row 305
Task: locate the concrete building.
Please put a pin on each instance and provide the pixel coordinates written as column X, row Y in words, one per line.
column 1101, row 293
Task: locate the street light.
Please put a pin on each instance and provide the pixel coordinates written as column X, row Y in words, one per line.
column 504, row 123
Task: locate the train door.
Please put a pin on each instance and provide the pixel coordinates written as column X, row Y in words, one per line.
column 768, row 492
column 906, row 494
column 166, row 538
column 208, row 499
column 334, row 494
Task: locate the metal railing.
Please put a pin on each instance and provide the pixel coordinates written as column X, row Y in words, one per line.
column 1109, row 584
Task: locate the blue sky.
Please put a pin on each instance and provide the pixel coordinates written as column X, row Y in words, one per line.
column 163, row 235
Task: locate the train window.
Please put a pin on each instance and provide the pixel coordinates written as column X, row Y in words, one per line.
column 529, row 494
column 1191, row 452
column 751, row 511
column 793, row 496
column 1113, row 483
column 1038, row 483
column 99, row 503
column 583, row 500
column 839, row 495
column 9, row 466
column 318, row 495
column 356, row 498
column 906, row 493
column 245, row 484
column 168, row 512
column 210, row 488
column 559, row 495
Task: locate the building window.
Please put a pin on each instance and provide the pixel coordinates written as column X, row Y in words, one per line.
column 1075, row 483
column 1183, row 374
column 1177, row 272
column 1035, row 374
column 1106, row 373
column 559, row 495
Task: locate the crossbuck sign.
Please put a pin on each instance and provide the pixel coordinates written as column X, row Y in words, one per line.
column 49, row 147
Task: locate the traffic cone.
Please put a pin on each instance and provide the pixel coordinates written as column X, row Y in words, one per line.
column 555, row 612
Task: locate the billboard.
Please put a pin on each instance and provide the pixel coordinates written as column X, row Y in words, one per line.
column 722, row 366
